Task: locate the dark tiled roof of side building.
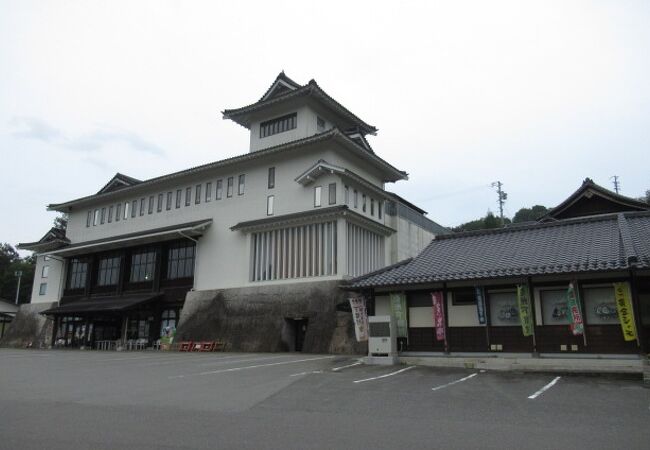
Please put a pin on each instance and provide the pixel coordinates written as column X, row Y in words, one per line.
column 592, row 244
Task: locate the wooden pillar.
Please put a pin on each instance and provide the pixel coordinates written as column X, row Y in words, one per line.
column 636, row 307
column 487, row 317
column 445, row 314
column 57, row 323
column 531, row 295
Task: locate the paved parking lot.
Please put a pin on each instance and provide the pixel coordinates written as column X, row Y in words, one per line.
column 110, row 400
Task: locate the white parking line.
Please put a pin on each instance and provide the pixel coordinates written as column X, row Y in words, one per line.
column 385, row 375
column 544, row 389
column 442, row 386
column 336, row 369
column 235, row 369
column 305, row 373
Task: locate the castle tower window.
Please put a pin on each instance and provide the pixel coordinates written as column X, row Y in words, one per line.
column 279, row 125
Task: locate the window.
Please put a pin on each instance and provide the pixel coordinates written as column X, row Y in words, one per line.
column 118, row 212
column 151, row 201
column 142, row 200
column 242, row 181
column 89, row 219
column 347, row 195
column 320, row 124
column 372, row 207
column 230, row 186
column 142, row 266
column 110, row 214
column 379, row 208
column 42, row 289
column 167, row 323
column 179, row 194
column 219, row 192
column 279, row 125
column 208, row 192
column 168, row 206
column 134, row 208
column 180, row 261
column 504, row 310
column 294, row 252
column 188, row 196
column 332, row 194
column 96, row 217
column 197, row 194
column 317, row 196
column 463, row 296
column 159, row 205
column 269, row 205
column 77, row 274
column 126, row 210
column 103, row 216
column 356, row 199
column 363, row 202
column 271, row 184
column 600, row 306
column 45, row 271
column 555, row 309
column 109, row 271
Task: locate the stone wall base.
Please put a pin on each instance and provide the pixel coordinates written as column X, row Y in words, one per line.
column 261, row 319
column 29, row 328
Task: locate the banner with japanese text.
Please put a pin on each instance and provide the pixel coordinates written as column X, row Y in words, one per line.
column 398, row 310
column 439, row 315
column 623, row 298
column 577, row 325
column 480, row 304
column 360, row 317
column 525, row 310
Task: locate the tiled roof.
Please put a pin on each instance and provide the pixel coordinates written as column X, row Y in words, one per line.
column 594, row 244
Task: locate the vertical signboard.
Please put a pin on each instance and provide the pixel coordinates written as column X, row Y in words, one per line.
column 480, row 304
column 625, row 312
column 439, row 315
column 525, row 310
column 398, row 310
column 360, row 317
column 577, row 324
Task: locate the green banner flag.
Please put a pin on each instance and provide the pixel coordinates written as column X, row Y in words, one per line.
column 525, row 310
column 398, row 310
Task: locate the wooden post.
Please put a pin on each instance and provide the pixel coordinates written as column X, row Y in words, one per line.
column 446, row 316
column 531, row 295
column 57, row 322
column 636, row 309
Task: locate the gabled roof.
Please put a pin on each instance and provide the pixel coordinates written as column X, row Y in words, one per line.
column 591, row 199
column 119, row 181
column 602, row 243
column 53, row 239
column 283, row 90
column 390, row 172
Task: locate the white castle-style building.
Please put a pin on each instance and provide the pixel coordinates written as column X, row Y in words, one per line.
column 250, row 249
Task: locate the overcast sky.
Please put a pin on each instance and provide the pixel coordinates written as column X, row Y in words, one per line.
column 538, row 95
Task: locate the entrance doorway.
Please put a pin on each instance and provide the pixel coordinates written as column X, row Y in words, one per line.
column 294, row 333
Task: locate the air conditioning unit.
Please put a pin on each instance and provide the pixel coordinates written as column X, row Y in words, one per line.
column 382, row 339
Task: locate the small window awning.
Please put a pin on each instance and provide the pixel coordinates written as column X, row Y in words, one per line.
column 190, row 229
column 113, row 304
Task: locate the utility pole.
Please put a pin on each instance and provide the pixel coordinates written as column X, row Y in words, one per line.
column 19, row 274
column 617, row 184
column 502, row 198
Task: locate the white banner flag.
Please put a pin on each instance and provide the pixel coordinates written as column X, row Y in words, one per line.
column 360, row 316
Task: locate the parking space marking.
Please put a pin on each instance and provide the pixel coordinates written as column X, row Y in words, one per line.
column 442, row 386
column 305, row 373
column 336, row 369
column 215, row 360
column 544, row 389
column 385, row 375
column 235, row 369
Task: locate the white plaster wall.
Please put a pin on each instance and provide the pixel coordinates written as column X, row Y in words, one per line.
column 54, row 280
column 461, row 315
column 382, row 305
column 421, row 317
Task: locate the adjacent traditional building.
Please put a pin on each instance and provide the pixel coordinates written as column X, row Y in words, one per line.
column 576, row 281
column 249, row 250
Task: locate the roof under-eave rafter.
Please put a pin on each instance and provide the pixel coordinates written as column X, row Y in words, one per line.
column 390, row 172
column 242, row 115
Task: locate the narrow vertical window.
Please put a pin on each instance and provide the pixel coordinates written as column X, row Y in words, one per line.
column 179, row 194
column 230, row 186
column 103, row 216
column 142, row 205
column 134, row 208
column 45, row 271
column 89, row 219
column 208, row 191
column 219, row 193
column 126, row 210
column 242, row 181
column 363, row 202
column 332, row 194
column 118, row 212
column 96, row 218
column 159, row 205
column 197, row 194
column 317, row 196
column 356, row 199
column 168, row 206
column 188, row 196
column 379, row 208
column 347, row 195
column 151, row 202
column 372, row 207
column 269, row 205
column 271, row 184
column 110, row 214
column 42, row 289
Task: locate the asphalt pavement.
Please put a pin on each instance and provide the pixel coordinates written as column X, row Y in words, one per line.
column 61, row 399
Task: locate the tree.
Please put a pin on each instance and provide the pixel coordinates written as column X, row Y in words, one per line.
column 488, row 222
column 61, row 222
column 10, row 263
column 529, row 214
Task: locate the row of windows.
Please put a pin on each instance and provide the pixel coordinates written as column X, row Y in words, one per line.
column 279, row 125
column 180, row 264
column 198, row 193
column 303, row 251
column 365, row 202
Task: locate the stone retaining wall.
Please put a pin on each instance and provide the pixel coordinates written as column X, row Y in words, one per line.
column 29, row 328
